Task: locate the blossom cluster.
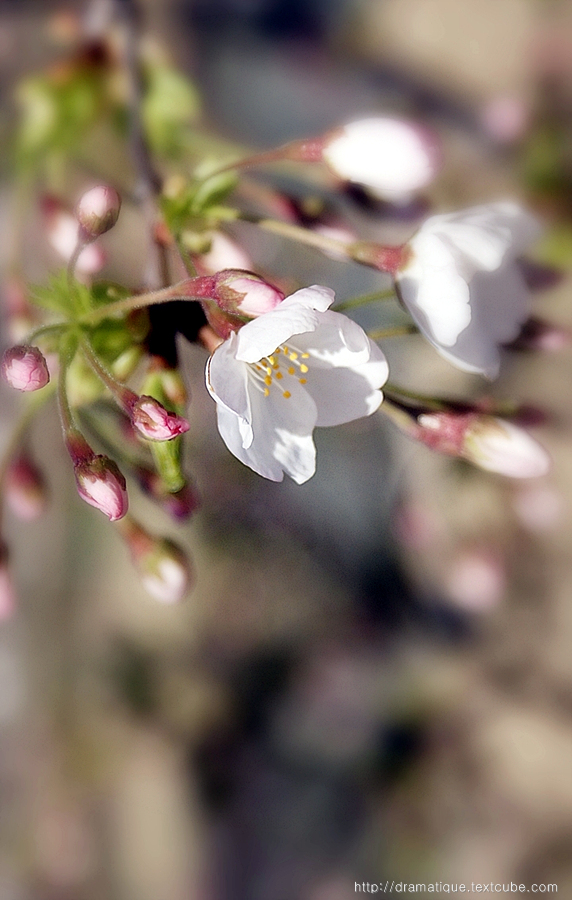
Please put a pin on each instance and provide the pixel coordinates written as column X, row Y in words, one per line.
column 279, row 364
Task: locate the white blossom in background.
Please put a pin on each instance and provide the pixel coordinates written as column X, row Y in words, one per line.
column 392, row 157
column 461, row 283
column 225, row 253
column 476, row 579
column 63, row 232
column 291, row 369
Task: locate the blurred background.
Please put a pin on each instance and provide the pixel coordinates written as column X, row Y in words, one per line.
column 372, row 677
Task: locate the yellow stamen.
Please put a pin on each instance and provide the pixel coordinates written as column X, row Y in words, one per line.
column 268, row 380
column 302, row 380
column 278, row 376
column 305, row 356
column 293, row 356
column 291, row 370
column 287, row 394
column 303, row 368
column 266, row 392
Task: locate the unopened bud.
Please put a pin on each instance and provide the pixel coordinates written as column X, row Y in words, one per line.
column 101, row 484
column 97, row 212
column 25, row 488
column 164, row 567
column 232, row 297
column 392, row 157
column 154, row 422
column 486, row 441
column 499, row 446
column 24, row 368
column 245, row 294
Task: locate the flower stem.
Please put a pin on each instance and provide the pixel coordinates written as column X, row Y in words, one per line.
column 396, row 331
column 44, row 331
column 164, row 295
column 67, row 354
column 122, row 395
column 364, row 299
column 298, row 233
column 401, row 395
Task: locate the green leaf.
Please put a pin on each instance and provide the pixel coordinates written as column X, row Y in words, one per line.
column 170, row 104
column 55, row 295
column 213, row 191
column 104, row 292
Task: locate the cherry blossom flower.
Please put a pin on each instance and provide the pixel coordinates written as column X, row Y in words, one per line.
column 293, row 368
column 392, row 157
column 461, row 284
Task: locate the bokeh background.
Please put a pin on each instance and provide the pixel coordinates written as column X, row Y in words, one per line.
column 372, row 677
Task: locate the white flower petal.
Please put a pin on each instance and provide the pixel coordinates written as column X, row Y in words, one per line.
column 346, row 370
column 282, row 429
column 295, row 315
column 499, row 306
column 226, row 380
column 462, row 286
column 434, row 292
column 393, row 157
column 485, row 234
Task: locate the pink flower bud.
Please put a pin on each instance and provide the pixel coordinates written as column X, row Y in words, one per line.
column 391, row 157
column 166, row 572
column 245, row 294
column 164, row 567
column 486, row 441
column 154, row 422
column 97, row 212
column 24, row 368
column 25, row 488
column 101, row 484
